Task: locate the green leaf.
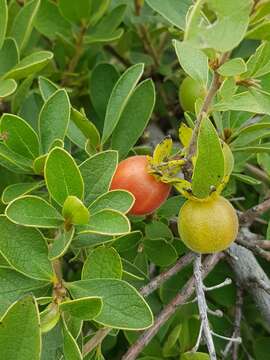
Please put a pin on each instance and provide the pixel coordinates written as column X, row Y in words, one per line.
column 102, row 262
column 171, row 10
column 39, row 164
column 160, row 252
column 86, row 308
column 9, row 55
column 18, row 244
column 108, row 222
column 158, row 230
column 127, row 242
column 101, row 82
column 246, row 179
column 13, row 191
column 106, row 30
column 14, row 161
column 21, row 93
column 54, row 119
column 33, row 211
column 227, row 89
column 24, row 22
column 14, row 285
column 74, row 211
column 218, row 35
column 50, row 22
column 21, row 138
column 3, row 20
column 70, row 347
column 195, row 356
column 209, row 167
column 61, row 243
column 134, row 118
column 260, row 148
column 171, row 207
column 192, row 60
column 49, row 318
column 259, row 63
column 7, row 87
column 75, row 11
column 123, row 307
column 29, row 65
column 119, row 98
column 232, row 67
column 97, row 173
column 62, row 176
column 88, row 129
column 260, row 31
column 251, row 133
column 260, row 347
column 46, row 87
column 119, row 200
column 22, row 316
column 91, row 240
column 253, row 100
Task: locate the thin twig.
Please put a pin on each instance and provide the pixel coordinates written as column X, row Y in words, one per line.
column 145, row 291
column 206, row 332
column 164, row 276
column 237, row 320
column 110, row 49
column 95, row 340
column 171, row 308
column 250, row 215
column 255, row 248
column 258, row 173
column 148, row 45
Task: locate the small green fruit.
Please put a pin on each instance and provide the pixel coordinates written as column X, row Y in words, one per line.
column 189, row 91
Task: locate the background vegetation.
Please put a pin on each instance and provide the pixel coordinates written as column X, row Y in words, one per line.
column 83, row 85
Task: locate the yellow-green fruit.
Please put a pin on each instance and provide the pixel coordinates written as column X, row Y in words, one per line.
column 189, row 91
column 208, row 226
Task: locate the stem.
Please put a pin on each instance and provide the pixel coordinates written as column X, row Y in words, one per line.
column 161, row 278
column 144, row 35
column 95, row 340
column 237, row 320
column 170, row 309
column 203, row 308
column 250, row 215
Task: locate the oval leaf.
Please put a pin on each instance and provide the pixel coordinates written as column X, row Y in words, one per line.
column 74, row 211
column 86, row 308
column 209, row 167
column 102, row 262
column 54, row 118
column 24, row 317
column 134, row 118
column 30, row 65
column 97, row 173
column 108, row 222
column 3, row 20
column 18, row 244
column 62, row 176
column 33, row 211
column 123, row 307
column 119, row 200
column 21, row 138
column 119, row 97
